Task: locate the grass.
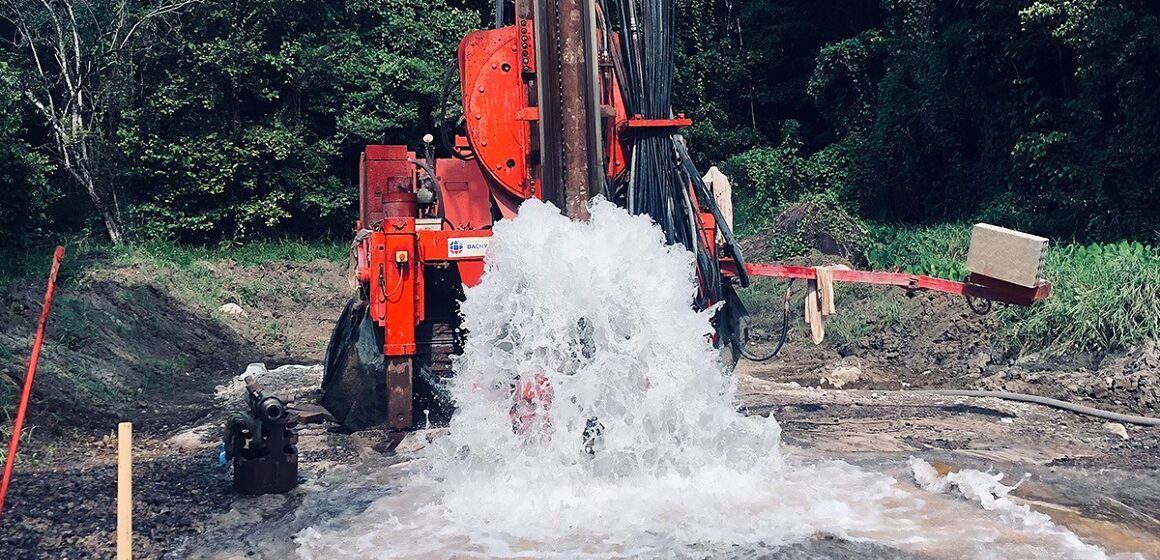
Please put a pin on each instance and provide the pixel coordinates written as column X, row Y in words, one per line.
column 32, row 263
column 185, row 261
column 19, row 263
column 24, row 456
column 862, row 310
column 939, row 251
column 9, row 393
column 250, row 254
column 1106, row 297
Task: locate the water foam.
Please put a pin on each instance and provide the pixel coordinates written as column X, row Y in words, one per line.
column 602, row 309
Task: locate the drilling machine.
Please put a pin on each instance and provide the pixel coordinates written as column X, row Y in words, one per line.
column 562, row 100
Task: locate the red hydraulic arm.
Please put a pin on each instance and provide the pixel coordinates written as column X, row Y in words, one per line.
column 975, row 286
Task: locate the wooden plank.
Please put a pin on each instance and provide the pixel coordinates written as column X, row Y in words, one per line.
column 124, row 491
column 826, row 289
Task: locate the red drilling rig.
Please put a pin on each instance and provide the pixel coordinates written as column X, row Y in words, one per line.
column 568, row 101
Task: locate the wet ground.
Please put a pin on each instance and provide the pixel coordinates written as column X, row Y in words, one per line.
column 1099, row 485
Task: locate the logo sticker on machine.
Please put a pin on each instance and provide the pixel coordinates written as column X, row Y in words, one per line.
column 464, row 247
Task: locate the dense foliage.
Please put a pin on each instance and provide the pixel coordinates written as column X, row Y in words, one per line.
column 1040, row 114
column 221, row 121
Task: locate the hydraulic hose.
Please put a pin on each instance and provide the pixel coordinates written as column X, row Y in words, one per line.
column 780, row 341
column 1045, row 401
column 730, row 243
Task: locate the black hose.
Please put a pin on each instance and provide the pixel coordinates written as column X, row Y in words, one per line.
column 730, row 242
column 658, row 178
column 780, row 341
column 1046, row 401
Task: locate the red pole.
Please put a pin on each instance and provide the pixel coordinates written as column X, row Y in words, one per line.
column 19, row 425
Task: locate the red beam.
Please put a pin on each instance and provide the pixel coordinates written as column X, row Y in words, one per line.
column 639, row 122
column 975, row 286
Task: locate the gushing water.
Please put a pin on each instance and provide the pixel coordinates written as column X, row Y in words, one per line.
column 630, row 442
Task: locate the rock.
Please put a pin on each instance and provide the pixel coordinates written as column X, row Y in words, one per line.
column 1116, row 428
column 842, row 375
column 1147, row 398
column 980, row 361
column 1030, row 358
column 1123, row 383
column 1098, row 389
column 233, row 310
column 1150, row 353
column 194, row 439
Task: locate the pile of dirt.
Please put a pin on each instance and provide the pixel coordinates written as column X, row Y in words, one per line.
column 112, row 351
column 811, row 225
column 144, row 343
column 288, row 308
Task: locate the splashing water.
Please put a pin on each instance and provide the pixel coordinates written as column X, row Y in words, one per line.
column 602, row 310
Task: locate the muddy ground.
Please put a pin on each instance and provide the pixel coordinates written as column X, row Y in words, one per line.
column 150, row 344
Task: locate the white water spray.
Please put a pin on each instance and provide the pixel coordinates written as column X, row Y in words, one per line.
column 602, row 310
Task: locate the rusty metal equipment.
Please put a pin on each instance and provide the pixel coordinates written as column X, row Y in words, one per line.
column 568, row 101
column 262, row 444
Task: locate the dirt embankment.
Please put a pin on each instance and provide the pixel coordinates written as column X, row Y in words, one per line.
column 147, row 343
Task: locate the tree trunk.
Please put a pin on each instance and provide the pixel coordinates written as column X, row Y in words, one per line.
column 108, row 214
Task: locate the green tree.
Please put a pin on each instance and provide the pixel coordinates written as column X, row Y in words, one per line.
column 249, row 123
column 1040, row 116
column 25, row 196
column 76, row 58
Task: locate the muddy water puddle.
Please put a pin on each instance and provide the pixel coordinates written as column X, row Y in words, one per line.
column 342, row 500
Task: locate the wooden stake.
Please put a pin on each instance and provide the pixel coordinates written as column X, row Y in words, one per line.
column 125, row 491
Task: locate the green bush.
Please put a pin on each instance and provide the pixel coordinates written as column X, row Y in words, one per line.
column 939, row 251
column 765, row 179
